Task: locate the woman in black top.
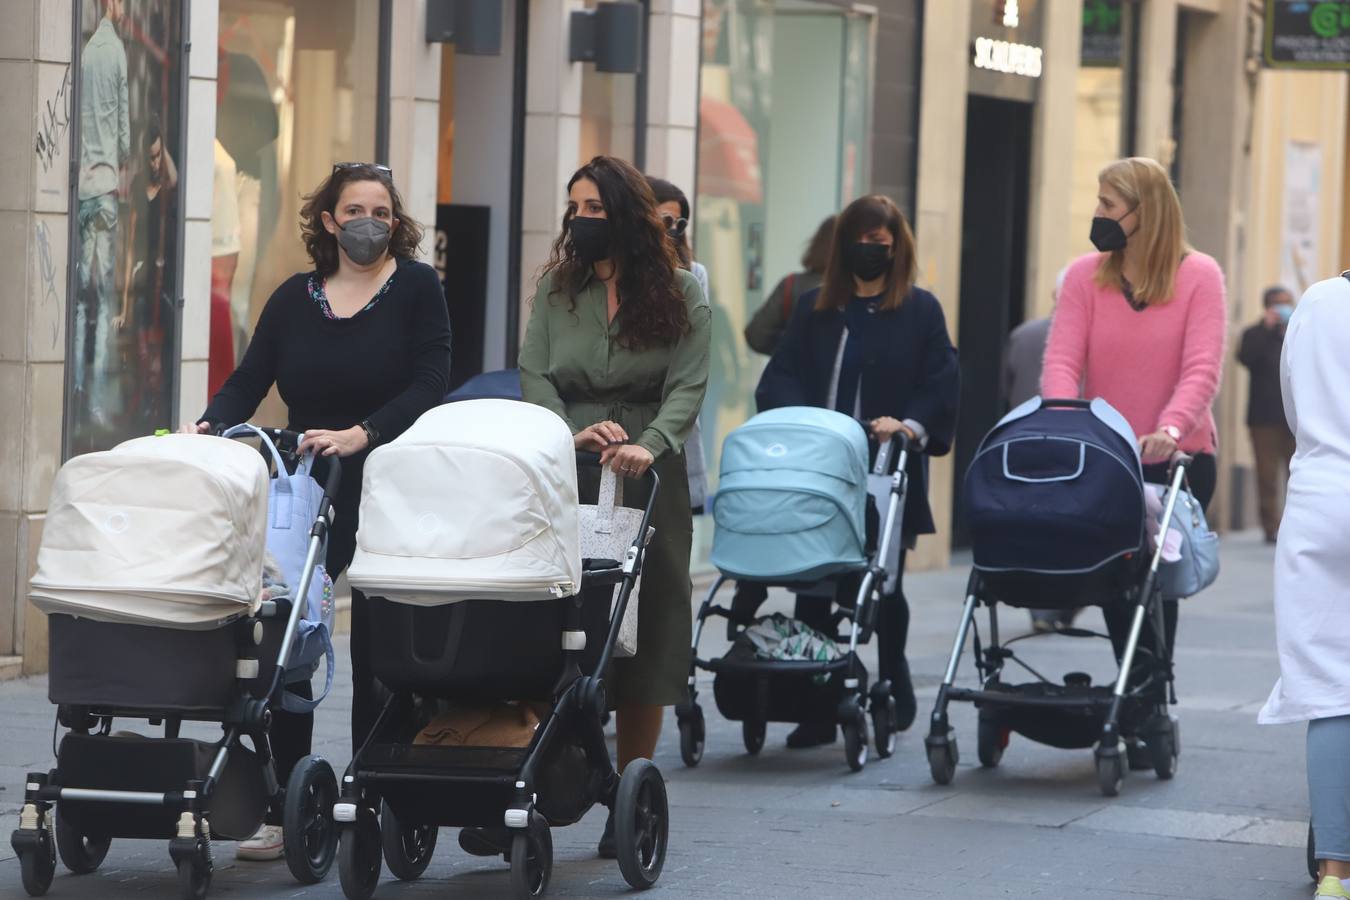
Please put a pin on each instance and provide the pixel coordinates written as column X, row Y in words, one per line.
column 358, row 349
column 870, row 344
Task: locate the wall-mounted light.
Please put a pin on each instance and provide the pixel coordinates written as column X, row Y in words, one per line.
column 609, row 36
column 473, row 26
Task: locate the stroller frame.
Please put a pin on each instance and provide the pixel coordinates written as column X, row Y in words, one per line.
column 1161, row 730
column 311, row 839
column 857, row 702
column 507, row 794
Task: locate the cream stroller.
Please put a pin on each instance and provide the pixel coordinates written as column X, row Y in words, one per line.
column 150, row 573
column 470, row 554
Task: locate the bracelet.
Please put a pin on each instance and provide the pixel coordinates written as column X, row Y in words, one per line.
column 371, row 434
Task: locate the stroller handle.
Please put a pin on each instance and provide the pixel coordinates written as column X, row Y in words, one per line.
column 287, row 443
column 901, row 439
column 1065, row 403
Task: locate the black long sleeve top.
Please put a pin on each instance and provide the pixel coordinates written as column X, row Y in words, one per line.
column 1260, row 353
column 388, row 363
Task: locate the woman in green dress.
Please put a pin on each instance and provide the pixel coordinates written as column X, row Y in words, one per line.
column 617, row 345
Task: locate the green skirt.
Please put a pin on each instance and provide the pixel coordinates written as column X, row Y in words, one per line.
column 659, row 674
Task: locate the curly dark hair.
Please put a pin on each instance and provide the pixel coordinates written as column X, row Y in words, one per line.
column 652, row 311
column 323, row 247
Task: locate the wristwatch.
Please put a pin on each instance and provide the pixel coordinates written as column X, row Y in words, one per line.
column 371, row 434
column 1173, row 432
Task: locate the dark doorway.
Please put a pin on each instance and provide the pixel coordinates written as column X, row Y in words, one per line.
column 993, row 269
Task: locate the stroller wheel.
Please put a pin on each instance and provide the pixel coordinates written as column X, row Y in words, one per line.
column 80, row 854
column 992, row 741
column 359, row 856
column 692, row 735
column 641, row 823
column 884, row 725
column 194, row 872
column 407, row 848
column 37, row 863
column 1164, row 747
column 311, row 836
column 1312, row 855
column 855, row 740
column 943, row 755
column 752, row 733
column 1110, row 772
column 531, row 859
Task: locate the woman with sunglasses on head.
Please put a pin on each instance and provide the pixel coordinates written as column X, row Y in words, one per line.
column 871, row 344
column 358, row 348
column 617, row 345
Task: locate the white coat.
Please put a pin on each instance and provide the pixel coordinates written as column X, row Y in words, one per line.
column 1312, row 565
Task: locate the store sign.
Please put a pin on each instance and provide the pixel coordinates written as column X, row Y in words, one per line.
column 1007, row 57
column 1102, row 33
column 1302, row 34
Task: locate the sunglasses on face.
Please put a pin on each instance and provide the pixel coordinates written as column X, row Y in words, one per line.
column 382, row 169
column 674, row 225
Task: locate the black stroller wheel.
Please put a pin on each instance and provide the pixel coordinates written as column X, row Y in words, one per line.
column 991, row 743
column 884, row 725
column 407, row 848
column 1110, row 772
column 942, row 760
column 692, row 738
column 752, row 733
column 1312, row 855
column 359, row 856
column 531, row 859
column 194, row 872
column 80, row 854
column 641, row 823
column 37, row 864
column 855, row 740
column 1164, row 747
column 310, row 834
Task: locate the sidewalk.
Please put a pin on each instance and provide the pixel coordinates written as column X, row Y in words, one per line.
column 798, row 825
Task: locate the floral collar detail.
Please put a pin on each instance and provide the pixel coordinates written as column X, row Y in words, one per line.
column 319, row 296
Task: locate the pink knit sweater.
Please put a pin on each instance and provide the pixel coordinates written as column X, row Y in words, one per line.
column 1158, row 367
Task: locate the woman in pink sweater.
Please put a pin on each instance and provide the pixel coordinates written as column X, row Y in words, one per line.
column 1141, row 325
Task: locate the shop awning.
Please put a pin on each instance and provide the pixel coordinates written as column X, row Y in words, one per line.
column 728, row 150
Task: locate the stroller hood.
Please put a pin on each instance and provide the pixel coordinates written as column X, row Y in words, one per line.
column 792, row 496
column 166, row 531
column 1055, row 489
column 478, row 499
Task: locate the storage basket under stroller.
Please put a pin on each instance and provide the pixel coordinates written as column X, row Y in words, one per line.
column 469, row 554
column 151, row 575
column 1055, row 497
column 792, row 510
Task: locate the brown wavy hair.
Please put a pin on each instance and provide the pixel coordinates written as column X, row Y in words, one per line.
column 858, row 218
column 323, row 247
column 652, row 311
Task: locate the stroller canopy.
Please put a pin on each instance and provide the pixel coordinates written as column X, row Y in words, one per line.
column 167, row 531
column 477, row 499
column 503, row 384
column 792, row 496
column 1056, row 490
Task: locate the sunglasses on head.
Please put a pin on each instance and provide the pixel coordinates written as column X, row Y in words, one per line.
column 674, row 225
column 378, row 167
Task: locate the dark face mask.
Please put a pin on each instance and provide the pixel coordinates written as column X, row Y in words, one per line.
column 365, row 239
column 1107, row 235
column 590, row 238
column 867, row 261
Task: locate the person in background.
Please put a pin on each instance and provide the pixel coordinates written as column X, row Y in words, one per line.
column 224, row 258
column 1021, row 381
column 766, row 327
column 358, row 348
column 673, row 207
column 872, row 345
column 1141, row 324
column 1312, row 571
column 1272, row 441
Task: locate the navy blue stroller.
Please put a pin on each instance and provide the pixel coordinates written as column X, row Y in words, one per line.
column 1057, row 511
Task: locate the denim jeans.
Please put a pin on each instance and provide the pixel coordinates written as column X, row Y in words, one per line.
column 96, row 301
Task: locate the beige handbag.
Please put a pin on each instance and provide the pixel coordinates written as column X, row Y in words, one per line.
column 608, row 529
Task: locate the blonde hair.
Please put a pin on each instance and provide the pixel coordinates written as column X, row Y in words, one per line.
column 1160, row 237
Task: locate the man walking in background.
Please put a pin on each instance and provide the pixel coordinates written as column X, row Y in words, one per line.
column 1272, row 441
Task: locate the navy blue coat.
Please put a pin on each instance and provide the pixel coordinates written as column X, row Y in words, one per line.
column 909, row 371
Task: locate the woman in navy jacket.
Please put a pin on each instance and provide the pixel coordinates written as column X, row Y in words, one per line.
column 870, row 344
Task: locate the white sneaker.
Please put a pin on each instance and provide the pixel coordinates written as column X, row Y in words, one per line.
column 265, row 845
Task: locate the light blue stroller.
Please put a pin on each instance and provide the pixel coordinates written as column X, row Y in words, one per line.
column 791, row 511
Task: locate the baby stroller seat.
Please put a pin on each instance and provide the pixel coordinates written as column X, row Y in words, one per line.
column 791, row 511
column 469, row 552
column 1055, row 497
column 151, row 573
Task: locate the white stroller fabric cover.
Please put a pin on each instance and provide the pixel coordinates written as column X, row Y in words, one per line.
column 477, row 500
column 167, row 531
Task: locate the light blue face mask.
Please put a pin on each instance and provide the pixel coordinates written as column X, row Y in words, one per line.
column 1286, row 312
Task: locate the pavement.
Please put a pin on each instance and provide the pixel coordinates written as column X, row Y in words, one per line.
column 797, row 824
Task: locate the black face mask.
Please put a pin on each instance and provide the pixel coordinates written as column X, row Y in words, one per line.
column 590, row 238
column 1107, row 235
column 867, row 261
